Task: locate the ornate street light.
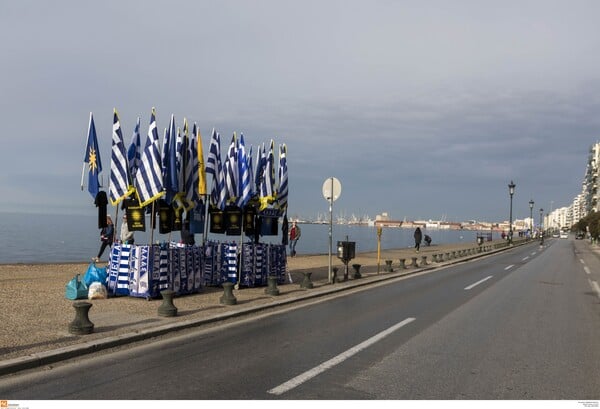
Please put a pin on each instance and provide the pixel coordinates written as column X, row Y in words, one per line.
column 511, row 191
column 531, row 203
column 541, row 226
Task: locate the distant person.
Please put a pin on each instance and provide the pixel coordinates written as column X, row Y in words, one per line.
column 427, row 240
column 107, row 235
column 126, row 235
column 418, row 237
column 294, row 236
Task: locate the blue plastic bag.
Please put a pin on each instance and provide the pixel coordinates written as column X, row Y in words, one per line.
column 75, row 289
column 95, row 274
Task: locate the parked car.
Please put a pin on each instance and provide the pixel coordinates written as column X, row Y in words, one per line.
column 564, row 235
column 579, row 236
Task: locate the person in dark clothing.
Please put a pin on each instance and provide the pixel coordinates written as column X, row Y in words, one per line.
column 107, row 235
column 187, row 237
column 427, row 240
column 418, row 237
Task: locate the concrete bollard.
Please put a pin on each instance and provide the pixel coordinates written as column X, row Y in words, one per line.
column 228, row 298
column 441, row 257
column 81, row 325
column 423, row 260
column 335, row 270
column 388, row 266
column 356, row 268
column 402, row 263
column 272, row 286
column 435, row 258
column 414, row 262
column 453, row 254
column 167, row 308
column 306, row 283
column 448, row 256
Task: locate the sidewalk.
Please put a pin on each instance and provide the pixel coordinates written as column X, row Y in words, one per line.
column 36, row 316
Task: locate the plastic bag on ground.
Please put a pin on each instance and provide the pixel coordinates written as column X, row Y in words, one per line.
column 97, row 291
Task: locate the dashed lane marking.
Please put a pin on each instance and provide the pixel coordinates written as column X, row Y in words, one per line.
column 478, row 282
column 508, row 267
column 311, row 373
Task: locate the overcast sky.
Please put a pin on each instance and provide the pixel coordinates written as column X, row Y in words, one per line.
column 422, row 109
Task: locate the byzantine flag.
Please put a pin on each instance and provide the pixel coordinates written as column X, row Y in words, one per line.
column 119, row 187
column 92, row 158
column 149, row 176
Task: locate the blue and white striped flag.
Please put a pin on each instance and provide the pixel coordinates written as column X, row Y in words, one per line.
column 134, row 154
column 244, row 174
column 232, row 172
column 149, row 175
column 191, row 171
column 282, row 192
column 215, row 168
column 119, row 187
column 267, row 194
column 169, row 162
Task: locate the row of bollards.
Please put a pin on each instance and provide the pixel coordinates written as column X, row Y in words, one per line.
column 82, row 325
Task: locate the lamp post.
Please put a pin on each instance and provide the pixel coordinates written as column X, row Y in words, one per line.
column 541, row 227
column 511, row 191
column 531, row 203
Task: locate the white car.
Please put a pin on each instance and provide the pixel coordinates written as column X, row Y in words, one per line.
column 564, row 235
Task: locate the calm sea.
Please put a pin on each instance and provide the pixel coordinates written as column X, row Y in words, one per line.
column 36, row 238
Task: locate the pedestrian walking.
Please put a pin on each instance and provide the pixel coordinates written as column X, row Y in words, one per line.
column 107, row 235
column 294, row 236
column 418, row 237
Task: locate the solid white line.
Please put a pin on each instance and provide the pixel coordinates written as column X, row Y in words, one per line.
column 311, row 373
column 587, row 270
column 595, row 287
column 509, row 267
column 477, row 283
column 526, row 258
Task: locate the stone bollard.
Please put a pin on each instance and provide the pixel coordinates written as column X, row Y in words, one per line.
column 167, row 308
column 448, row 256
column 306, row 283
column 423, row 260
column 356, row 268
column 402, row 263
column 388, row 266
column 414, row 262
column 81, row 325
column 435, row 258
column 453, row 254
column 272, row 286
column 335, row 270
column 228, row 298
column 441, row 257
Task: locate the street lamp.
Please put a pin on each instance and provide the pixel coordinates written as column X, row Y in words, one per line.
column 511, row 191
column 541, row 226
column 531, row 203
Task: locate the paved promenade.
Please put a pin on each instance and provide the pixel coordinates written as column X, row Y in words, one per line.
column 36, row 315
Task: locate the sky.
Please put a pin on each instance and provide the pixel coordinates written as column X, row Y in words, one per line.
column 421, row 109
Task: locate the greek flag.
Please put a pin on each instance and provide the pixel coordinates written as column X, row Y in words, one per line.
column 266, row 194
column 261, row 160
column 134, row 153
column 191, row 170
column 282, row 193
column 244, row 174
column 92, row 158
column 232, row 172
column 214, row 167
column 149, row 177
column 119, row 187
column 169, row 161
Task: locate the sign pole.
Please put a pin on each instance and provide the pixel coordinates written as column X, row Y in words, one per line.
column 330, row 230
column 331, row 192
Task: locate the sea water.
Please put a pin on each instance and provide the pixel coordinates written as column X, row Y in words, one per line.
column 38, row 238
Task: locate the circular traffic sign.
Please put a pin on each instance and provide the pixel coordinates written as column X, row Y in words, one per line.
column 332, row 188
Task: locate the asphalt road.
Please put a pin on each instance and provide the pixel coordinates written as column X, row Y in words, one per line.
column 522, row 324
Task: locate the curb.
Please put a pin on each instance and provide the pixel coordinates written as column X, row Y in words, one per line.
column 60, row 354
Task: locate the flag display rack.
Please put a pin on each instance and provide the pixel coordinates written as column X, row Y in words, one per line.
column 175, row 171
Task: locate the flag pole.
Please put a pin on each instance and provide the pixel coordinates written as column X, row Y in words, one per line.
column 152, row 225
column 82, row 175
column 115, row 223
column 205, row 219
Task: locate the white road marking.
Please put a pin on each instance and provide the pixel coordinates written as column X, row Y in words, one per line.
column 533, row 254
column 311, row 373
column 526, row 258
column 587, row 270
column 581, row 261
column 509, row 267
column 478, row 282
column 595, row 287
